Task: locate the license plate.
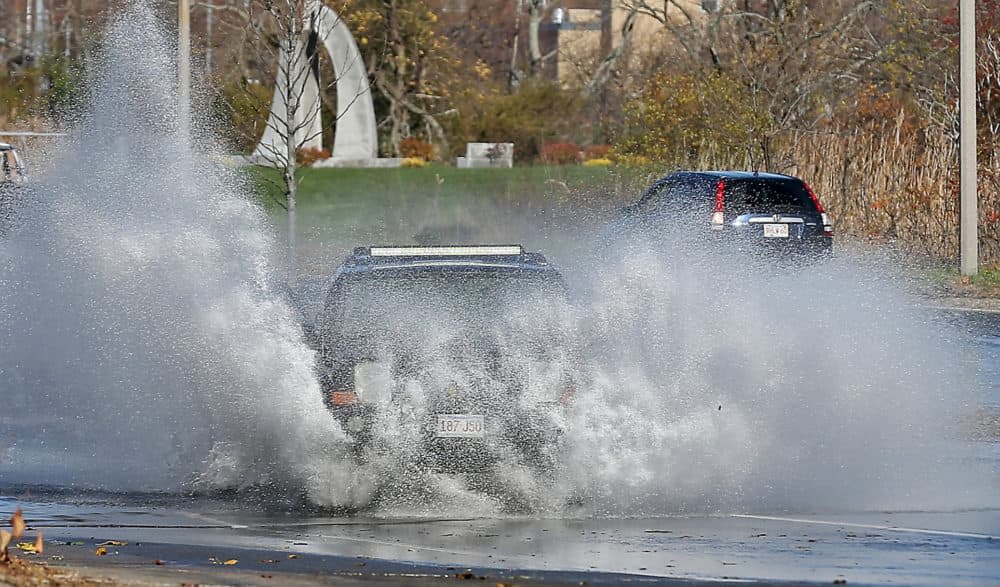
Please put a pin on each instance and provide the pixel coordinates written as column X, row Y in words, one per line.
column 460, row 426
column 775, row 231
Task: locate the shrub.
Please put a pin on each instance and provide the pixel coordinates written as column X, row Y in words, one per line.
column 601, row 162
column 538, row 112
column 630, row 160
column 560, row 153
column 413, row 162
column 415, row 148
column 680, row 119
column 307, row 156
column 596, row 152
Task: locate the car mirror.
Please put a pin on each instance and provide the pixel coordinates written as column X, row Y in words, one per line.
column 373, row 382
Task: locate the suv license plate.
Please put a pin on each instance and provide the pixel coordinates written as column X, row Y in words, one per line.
column 775, row 231
column 460, row 426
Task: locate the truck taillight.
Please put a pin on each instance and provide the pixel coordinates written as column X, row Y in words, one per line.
column 718, row 219
column 343, row 398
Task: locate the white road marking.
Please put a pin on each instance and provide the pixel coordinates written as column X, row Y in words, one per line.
column 407, row 545
column 969, row 309
column 871, row 527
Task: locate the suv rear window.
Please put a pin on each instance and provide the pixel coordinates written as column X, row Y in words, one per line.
column 375, row 310
column 767, row 196
column 742, row 196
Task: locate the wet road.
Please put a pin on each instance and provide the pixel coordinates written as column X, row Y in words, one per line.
column 916, row 548
column 958, row 546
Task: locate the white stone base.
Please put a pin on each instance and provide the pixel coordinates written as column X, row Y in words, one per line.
column 481, row 162
column 380, row 162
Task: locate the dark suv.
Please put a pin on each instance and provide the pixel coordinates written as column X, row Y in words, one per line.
column 450, row 357
column 766, row 211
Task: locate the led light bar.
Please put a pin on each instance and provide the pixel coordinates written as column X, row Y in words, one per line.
column 448, row 251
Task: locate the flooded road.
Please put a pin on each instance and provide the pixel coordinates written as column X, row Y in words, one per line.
column 949, row 545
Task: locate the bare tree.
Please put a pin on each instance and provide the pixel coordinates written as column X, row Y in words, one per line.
column 602, row 74
column 289, row 34
column 293, row 118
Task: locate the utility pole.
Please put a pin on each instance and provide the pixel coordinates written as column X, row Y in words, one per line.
column 969, row 239
column 210, row 10
column 184, row 66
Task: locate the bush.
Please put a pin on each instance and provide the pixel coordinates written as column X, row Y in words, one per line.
column 411, row 148
column 413, row 162
column 539, row 112
column 237, row 107
column 560, row 153
column 601, row 162
column 309, row 155
column 679, row 120
column 596, row 152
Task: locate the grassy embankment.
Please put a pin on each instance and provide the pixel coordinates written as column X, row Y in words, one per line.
column 542, row 207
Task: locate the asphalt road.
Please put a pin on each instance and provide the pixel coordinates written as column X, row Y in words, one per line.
column 907, row 548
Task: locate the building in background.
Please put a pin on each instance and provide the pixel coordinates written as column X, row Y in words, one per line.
column 573, row 36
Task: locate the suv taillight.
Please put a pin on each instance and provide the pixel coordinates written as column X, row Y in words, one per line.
column 718, row 219
column 825, row 218
column 827, row 224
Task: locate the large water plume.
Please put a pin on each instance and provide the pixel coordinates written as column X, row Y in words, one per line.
column 144, row 339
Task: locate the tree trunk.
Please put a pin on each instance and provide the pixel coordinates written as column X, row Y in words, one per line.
column 534, row 48
column 292, row 104
column 607, row 67
column 515, row 74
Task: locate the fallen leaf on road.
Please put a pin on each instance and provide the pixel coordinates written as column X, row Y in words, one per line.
column 4, row 541
column 101, row 551
column 293, row 556
column 17, row 524
column 159, row 562
column 231, row 561
column 28, row 547
column 113, row 543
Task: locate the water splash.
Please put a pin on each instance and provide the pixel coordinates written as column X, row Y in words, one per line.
column 730, row 383
column 145, row 344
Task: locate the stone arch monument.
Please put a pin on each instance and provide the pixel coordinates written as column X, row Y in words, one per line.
column 355, row 139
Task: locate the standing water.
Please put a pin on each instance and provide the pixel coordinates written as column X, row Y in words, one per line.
column 144, row 345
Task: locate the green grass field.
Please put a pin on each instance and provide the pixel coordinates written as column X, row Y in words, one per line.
column 541, row 207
